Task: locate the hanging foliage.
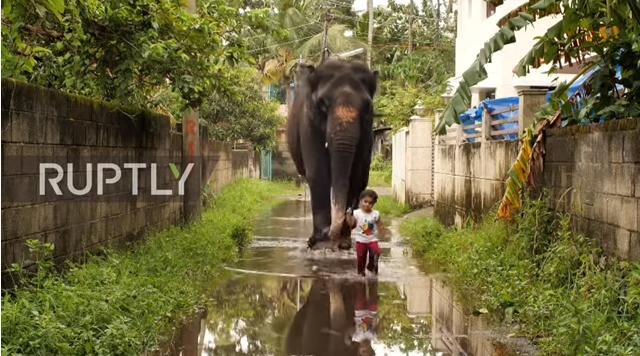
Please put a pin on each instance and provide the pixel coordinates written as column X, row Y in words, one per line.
column 517, row 176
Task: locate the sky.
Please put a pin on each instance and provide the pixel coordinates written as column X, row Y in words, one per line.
column 360, row 5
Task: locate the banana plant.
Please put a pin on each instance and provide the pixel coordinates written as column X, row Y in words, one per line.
column 516, row 20
column 577, row 40
column 568, row 40
column 530, row 161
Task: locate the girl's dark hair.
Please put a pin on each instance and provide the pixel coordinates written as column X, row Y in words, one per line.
column 369, row 193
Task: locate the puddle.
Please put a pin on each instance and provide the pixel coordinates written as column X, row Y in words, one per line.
column 285, row 300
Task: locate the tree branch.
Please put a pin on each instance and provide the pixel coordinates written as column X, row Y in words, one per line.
column 29, row 29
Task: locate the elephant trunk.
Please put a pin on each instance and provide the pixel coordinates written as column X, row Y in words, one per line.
column 341, row 163
column 342, row 149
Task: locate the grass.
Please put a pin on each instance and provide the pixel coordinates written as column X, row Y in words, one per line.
column 127, row 302
column 379, row 179
column 387, row 206
column 380, row 172
column 546, row 282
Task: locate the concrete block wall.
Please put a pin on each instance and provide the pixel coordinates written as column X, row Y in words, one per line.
column 469, row 178
column 41, row 125
column 282, row 166
column 593, row 173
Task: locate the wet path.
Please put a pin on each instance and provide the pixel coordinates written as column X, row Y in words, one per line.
column 285, row 300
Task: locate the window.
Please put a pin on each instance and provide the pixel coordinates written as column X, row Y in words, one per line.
column 492, row 5
column 490, row 94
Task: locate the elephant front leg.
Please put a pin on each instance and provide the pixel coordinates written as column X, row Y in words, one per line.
column 320, row 208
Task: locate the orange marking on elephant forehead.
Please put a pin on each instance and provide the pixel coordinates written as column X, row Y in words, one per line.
column 346, row 113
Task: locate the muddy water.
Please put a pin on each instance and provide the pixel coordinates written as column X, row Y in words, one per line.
column 285, row 300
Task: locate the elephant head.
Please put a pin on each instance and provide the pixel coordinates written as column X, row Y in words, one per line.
column 341, row 105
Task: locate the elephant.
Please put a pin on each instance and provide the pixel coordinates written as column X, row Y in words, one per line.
column 330, row 138
column 324, row 325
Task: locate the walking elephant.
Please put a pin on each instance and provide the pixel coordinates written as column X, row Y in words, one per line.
column 330, row 138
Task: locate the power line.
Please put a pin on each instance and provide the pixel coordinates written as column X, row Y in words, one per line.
column 287, row 29
column 280, row 44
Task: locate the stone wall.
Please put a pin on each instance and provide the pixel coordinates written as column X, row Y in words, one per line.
column 41, row 125
column 593, row 172
column 469, row 178
column 281, row 161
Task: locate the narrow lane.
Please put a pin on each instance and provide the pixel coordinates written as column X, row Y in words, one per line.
column 285, row 300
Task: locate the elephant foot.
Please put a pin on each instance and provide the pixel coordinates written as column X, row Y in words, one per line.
column 318, row 237
column 345, row 245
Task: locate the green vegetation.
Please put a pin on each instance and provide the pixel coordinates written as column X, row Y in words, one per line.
column 380, row 172
column 389, row 207
column 407, row 74
column 146, row 54
column 551, row 284
column 127, row 302
column 156, row 55
column 379, row 179
column 242, row 112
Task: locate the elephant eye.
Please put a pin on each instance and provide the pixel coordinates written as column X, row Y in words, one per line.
column 323, row 105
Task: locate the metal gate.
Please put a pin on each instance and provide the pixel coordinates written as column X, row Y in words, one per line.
column 265, row 165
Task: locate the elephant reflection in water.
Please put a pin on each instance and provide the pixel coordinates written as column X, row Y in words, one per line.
column 338, row 318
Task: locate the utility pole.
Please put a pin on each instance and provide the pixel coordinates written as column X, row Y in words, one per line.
column 191, row 152
column 438, row 14
column 370, row 37
column 410, row 8
column 325, row 39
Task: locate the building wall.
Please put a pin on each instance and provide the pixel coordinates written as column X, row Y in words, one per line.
column 474, row 29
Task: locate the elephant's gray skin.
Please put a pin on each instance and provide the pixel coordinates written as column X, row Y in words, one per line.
column 330, row 138
column 319, row 327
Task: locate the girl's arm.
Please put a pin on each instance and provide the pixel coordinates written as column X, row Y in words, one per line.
column 351, row 220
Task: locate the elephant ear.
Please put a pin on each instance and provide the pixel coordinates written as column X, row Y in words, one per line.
column 307, row 74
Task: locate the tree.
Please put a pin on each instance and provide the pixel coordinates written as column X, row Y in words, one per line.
column 297, row 32
column 409, row 77
column 125, row 52
column 241, row 112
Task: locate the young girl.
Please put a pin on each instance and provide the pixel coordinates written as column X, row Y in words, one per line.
column 366, row 224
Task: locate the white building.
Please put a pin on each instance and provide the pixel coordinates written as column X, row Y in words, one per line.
column 477, row 23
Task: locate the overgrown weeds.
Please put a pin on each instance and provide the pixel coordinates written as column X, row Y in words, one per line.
column 126, row 302
column 541, row 277
column 380, row 172
column 389, row 207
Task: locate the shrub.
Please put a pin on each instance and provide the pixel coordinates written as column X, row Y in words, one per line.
column 540, row 275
